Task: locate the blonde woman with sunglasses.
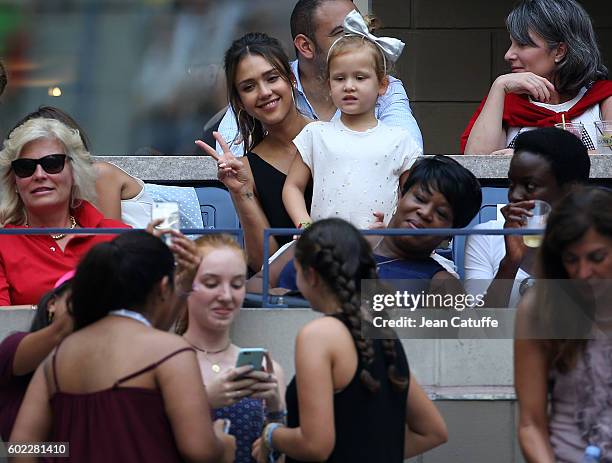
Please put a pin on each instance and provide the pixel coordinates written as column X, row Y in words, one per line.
column 47, row 181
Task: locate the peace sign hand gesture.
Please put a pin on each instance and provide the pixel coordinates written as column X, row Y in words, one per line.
column 230, row 171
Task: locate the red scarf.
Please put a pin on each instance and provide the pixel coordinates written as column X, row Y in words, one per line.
column 520, row 112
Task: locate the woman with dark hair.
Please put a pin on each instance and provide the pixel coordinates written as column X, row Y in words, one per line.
column 119, row 388
column 563, row 383
column 261, row 93
column 22, row 352
column 352, row 398
column 557, row 75
column 546, row 164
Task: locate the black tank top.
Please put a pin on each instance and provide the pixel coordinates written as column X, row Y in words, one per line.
column 269, row 182
column 370, row 428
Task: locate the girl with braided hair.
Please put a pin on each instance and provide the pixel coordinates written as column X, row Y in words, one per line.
column 352, row 398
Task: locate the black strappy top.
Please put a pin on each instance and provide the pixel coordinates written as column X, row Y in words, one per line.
column 118, row 424
column 269, row 182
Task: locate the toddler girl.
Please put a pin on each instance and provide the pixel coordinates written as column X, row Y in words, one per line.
column 356, row 162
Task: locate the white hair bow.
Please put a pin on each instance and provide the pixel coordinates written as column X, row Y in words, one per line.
column 354, row 24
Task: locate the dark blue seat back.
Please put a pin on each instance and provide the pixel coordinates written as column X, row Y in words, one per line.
column 217, row 208
column 491, row 197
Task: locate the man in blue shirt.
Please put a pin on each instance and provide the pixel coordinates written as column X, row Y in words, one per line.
column 315, row 25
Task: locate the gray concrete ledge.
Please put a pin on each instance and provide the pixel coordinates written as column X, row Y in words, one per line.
column 204, row 168
column 452, row 370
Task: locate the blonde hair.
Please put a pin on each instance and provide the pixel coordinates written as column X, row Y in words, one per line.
column 12, row 209
column 351, row 43
column 205, row 244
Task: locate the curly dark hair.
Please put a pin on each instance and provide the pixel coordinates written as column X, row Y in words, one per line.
column 342, row 258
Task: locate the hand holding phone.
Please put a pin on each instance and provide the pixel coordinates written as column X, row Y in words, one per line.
column 227, row 423
column 169, row 213
column 251, row 356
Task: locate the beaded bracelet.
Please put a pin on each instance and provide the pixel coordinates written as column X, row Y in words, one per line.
column 304, row 225
column 273, row 455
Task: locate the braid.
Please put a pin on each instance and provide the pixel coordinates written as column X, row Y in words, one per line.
column 398, row 381
column 342, row 283
column 343, row 258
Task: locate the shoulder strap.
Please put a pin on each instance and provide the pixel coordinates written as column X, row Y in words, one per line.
column 151, row 366
column 54, row 368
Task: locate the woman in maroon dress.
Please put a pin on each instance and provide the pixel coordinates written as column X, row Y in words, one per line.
column 21, row 352
column 118, row 389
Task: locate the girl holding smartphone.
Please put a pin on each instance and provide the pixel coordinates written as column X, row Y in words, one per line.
column 248, row 398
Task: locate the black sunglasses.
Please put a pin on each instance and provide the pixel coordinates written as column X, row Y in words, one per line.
column 51, row 164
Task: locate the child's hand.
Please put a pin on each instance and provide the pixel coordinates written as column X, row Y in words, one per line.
column 379, row 222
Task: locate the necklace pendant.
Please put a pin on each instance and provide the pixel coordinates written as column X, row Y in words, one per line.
column 216, row 368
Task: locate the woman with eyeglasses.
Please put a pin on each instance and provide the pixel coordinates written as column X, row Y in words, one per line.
column 47, row 181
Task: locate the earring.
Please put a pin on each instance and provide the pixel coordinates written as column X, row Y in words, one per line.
column 293, row 97
column 50, row 316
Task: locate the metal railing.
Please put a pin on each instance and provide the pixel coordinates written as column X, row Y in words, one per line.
column 268, row 232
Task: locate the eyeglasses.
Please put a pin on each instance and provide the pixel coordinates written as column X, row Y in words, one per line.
column 51, row 164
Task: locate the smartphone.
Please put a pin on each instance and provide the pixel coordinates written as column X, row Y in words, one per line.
column 226, row 425
column 169, row 212
column 251, row 356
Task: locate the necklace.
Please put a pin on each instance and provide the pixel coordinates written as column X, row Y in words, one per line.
column 62, row 235
column 131, row 314
column 214, row 366
column 59, row 236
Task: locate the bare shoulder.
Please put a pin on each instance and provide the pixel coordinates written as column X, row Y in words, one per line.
column 110, row 173
column 322, row 330
column 105, row 168
column 163, row 342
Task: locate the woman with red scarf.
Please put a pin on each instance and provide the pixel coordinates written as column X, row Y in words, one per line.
column 557, row 75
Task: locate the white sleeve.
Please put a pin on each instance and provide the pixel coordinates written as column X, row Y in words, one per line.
column 229, row 131
column 410, row 152
column 479, row 264
column 393, row 108
column 479, row 258
column 304, row 144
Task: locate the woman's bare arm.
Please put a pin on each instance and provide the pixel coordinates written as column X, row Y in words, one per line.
column 425, row 427
column 186, row 405
column 530, row 380
column 33, row 423
column 35, row 347
column 314, row 440
column 488, row 133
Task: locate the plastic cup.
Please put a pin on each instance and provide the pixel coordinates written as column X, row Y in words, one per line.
column 540, row 211
column 604, row 137
column 576, row 128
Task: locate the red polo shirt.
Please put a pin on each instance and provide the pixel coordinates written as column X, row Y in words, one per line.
column 30, row 265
